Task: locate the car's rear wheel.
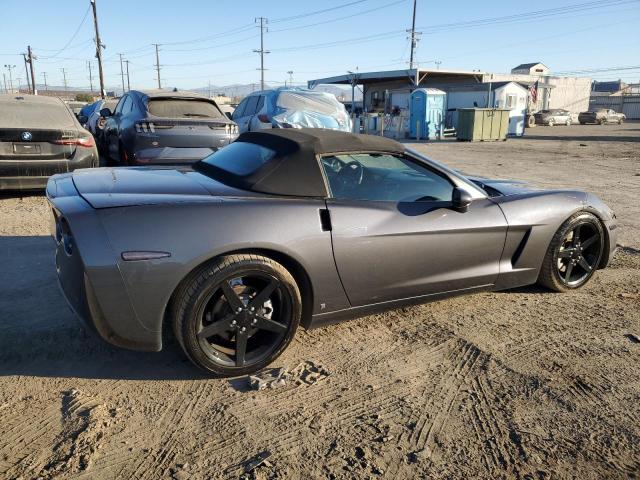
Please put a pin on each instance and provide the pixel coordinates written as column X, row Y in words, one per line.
column 620, row 121
column 602, row 121
column 568, row 122
column 237, row 314
column 574, row 253
column 123, row 156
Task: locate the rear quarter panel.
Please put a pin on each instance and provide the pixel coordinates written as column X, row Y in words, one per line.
column 196, row 233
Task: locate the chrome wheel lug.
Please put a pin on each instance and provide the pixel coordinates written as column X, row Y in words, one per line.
column 243, row 329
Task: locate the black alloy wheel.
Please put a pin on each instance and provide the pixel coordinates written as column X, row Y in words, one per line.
column 237, row 314
column 574, row 253
column 236, row 326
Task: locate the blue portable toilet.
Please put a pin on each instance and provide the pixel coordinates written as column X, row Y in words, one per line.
column 426, row 112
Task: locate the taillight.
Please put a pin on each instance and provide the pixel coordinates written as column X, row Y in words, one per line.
column 264, row 118
column 78, row 141
column 145, row 127
column 230, row 129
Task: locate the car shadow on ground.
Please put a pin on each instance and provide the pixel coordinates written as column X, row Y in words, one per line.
column 41, row 337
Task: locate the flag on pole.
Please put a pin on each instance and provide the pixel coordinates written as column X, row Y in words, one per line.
column 533, row 92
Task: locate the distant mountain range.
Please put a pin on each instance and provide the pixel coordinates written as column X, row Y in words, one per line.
column 235, row 90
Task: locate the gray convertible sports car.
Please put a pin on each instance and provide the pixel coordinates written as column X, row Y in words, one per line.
column 302, row 227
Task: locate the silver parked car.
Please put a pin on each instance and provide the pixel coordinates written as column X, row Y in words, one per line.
column 602, row 116
column 303, row 227
column 291, row 108
column 556, row 116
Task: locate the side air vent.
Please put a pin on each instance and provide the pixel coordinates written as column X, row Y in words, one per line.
column 520, row 249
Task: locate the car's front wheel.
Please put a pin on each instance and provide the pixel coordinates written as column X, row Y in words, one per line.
column 551, row 123
column 237, row 314
column 568, row 122
column 574, row 253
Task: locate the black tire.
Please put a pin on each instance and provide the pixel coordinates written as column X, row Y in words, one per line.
column 620, row 121
column 200, row 304
column 572, row 255
column 602, row 121
column 123, row 158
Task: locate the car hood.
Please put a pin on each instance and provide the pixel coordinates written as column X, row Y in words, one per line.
column 130, row 186
column 498, row 187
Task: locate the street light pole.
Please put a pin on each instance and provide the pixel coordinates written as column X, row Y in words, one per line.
column 10, row 67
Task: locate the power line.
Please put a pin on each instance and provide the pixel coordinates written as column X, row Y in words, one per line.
column 72, row 36
column 527, row 16
column 337, row 19
column 317, row 12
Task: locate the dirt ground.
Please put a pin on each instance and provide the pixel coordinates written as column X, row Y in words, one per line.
column 517, row 384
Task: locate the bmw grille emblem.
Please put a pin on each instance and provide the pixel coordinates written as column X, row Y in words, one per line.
column 26, row 136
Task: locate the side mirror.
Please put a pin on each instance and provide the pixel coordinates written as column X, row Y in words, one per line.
column 460, row 200
column 83, row 119
column 105, row 112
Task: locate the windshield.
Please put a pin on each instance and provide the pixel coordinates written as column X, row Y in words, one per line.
column 183, row 108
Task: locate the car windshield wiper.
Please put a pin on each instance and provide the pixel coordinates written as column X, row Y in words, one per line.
column 196, row 115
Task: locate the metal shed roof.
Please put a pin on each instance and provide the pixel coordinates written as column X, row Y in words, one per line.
column 414, row 75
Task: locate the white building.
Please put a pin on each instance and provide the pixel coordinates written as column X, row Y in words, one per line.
column 531, row 69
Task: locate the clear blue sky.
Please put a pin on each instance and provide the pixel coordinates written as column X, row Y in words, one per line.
column 367, row 34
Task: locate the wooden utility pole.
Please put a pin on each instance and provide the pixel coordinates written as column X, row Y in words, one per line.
column 158, row 64
column 26, row 71
column 90, row 76
column 33, row 75
column 64, row 78
column 128, row 81
column 121, row 73
column 99, row 47
column 263, row 26
column 44, row 76
column 414, row 40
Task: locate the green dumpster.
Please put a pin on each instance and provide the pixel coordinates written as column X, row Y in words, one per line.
column 482, row 124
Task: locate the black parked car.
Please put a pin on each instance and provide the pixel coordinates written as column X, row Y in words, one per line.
column 165, row 127
column 40, row 136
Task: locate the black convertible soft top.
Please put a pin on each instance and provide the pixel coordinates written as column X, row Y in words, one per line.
column 294, row 169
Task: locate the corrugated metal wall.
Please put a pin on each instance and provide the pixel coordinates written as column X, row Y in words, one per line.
column 627, row 104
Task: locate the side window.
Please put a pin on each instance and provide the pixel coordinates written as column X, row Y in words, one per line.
column 511, row 101
column 126, row 107
column 260, row 104
column 252, row 103
column 239, row 110
column 120, row 104
column 384, row 177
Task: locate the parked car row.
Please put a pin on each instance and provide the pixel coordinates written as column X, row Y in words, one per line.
column 559, row 116
column 602, row 116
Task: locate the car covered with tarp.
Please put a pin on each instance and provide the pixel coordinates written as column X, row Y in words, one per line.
column 290, row 107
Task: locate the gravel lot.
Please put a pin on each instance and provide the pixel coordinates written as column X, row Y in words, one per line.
column 524, row 383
